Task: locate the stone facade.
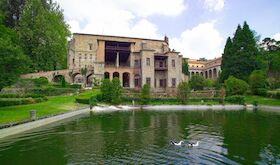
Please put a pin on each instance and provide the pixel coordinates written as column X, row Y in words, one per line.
column 209, row 69
column 136, row 61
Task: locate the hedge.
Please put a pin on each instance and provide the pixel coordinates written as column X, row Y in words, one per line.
column 20, row 101
column 11, row 95
column 275, row 95
column 236, row 99
column 50, row 91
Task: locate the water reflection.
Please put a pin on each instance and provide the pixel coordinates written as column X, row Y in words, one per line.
column 234, row 137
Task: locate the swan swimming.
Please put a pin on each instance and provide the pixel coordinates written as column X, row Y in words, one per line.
column 193, row 144
column 177, row 144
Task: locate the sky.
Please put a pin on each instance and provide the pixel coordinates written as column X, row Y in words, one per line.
column 196, row 28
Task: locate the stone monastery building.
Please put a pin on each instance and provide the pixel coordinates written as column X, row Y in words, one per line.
column 135, row 61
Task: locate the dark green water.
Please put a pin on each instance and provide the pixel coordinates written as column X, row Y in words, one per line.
column 142, row 137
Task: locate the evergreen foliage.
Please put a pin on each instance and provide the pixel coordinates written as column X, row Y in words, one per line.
column 185, row 67
column 145, row 94
column 106, row 90
column 235, row 86
column 197, row 82
column 240, row 54
column 116, row 91
column 257, row 80
column 183, row 92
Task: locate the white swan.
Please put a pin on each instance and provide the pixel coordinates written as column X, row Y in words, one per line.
column 193, row 144
column 177, row 144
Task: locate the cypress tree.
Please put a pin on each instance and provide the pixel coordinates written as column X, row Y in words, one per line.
column 240, row 57
column 226, row 60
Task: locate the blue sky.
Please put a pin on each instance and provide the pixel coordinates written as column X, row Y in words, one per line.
column 196, row 28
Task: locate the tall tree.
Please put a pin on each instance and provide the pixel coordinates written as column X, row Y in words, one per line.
column 240, row 58
column 13, row 61
column 185, row 67
column 43, row 33
column 226, row 62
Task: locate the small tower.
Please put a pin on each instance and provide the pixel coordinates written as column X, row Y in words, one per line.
column 166, row 39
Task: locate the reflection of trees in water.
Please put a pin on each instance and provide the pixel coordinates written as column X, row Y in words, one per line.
column 247, row 134
column 236, row 134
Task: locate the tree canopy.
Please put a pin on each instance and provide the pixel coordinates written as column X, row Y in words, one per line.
column 240, row 54
column 43, row 34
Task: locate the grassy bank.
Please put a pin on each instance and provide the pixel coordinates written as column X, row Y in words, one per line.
column 262, row 100
column 54, row 105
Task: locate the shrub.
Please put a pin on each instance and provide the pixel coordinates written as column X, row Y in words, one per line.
column 20, row 95
column 183, row 91
column 20, row 101
column 39, row 82
column 197, row 82
column 257, row 80
column 236, row 99
column 51, row 91
column 145, row 94
column 92, row 101
column 76, row 86
column 209, row 83
column 273, row 83
column 82, row 100
column 106, row 90
column 261, row 92
column 116, row 91
column 235, row 86
column 63, row 82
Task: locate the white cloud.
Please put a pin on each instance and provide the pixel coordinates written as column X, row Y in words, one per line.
column 214, row 5
column 276, row 36
column 122, row 17
column 201, row 41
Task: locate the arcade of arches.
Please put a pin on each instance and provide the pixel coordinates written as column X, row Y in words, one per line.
column 208, row 74
column 127, row 79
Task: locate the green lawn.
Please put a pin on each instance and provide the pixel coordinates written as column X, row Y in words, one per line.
column 262, row 100
column 54, row 105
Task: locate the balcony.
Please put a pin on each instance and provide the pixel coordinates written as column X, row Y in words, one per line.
column 161, row 68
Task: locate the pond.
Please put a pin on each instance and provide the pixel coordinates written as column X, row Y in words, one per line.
column 143, row 137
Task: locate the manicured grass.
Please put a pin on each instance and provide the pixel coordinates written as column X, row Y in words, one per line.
column 55, row 105
column 262, row 100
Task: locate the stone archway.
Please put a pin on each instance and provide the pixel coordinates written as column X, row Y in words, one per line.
column 215, row 74
column 106, row 75
column 126, row 77
column 210, row 74
column 89, row 80
column 116, row 74
column 137, row 80
column 206, row 74
column 58, row 78
column 77, row 78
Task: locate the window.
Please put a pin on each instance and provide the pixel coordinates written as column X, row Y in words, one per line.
column 173, row 82
column 85, row 56
column 148, row 80
column 162, row 83
column 160, row 64
column 136, row 63
column 148, row 61
column 90, row 56
column 173, row 63
column 90, row 46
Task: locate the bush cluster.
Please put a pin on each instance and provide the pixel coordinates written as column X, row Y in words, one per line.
column 11, row 95
column 236, row 99
column 20, row 101
column 50, row 91
column 235, row 86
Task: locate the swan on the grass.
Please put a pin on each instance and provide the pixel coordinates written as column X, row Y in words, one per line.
column 177, row 144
